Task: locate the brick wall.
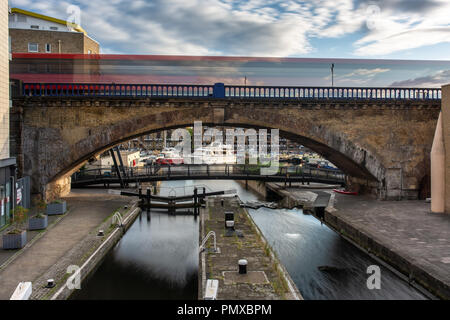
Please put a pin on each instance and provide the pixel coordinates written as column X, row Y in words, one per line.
column 90, row 44
column 71, row 42
column 4, row 81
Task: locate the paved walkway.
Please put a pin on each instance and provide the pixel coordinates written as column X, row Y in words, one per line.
column 87, row 211
column 405, row 227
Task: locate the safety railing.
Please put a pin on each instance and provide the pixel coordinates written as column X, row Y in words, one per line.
column 116, row 90
column 219, row 90
column 207, row 170
column 210, row 234
column 331, row 92
column 117, row 219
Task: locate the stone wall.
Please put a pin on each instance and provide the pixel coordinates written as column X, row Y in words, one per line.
column 257, row 186
column 384, row 146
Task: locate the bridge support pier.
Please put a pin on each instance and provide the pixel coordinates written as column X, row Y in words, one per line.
column 57, row 188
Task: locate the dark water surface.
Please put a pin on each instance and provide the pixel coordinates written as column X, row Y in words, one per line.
column 158, row 257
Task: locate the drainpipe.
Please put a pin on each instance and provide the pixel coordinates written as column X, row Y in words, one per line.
column 59, row 46
column 13, row 194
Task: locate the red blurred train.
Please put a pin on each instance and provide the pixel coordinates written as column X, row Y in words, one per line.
column 125, row 69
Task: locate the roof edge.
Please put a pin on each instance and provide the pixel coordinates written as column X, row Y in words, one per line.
column 51, row 19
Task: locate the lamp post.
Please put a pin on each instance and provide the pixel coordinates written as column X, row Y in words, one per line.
column 332, row 74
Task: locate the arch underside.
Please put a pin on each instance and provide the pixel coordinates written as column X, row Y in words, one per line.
column 343, row 162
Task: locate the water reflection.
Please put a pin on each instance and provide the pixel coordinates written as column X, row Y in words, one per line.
column 156, row 259
column 303, row 245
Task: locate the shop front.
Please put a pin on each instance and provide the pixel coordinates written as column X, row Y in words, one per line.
column 7, row 189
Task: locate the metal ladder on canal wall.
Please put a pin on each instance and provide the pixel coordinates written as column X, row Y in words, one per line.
column 210, row 234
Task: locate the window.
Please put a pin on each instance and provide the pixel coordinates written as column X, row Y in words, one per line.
column 33, row 47
column 21, row 18
column 32, row 68
column 89, row 52
column 48, row 48
column 53, row 28
column 33, row 26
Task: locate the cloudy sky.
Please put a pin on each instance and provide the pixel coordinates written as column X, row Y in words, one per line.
column 349, row 29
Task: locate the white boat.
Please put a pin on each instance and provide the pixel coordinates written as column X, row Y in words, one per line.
column 169, row 156
column 216, row 153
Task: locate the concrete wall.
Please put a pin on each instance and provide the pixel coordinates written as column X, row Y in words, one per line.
column 258, row 186
column 4, row 81
column 445, row 118
column 385, row 147
column 438, row 169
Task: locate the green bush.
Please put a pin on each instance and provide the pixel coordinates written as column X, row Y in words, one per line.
column 19, row 219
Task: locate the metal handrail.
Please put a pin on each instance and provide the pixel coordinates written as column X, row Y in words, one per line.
column 205, row 239
column 117, row 219
column 208, row 170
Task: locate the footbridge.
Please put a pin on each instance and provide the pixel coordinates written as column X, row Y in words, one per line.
column 107, row 176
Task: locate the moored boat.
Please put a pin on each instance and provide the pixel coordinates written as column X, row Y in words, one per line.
column 345, row 192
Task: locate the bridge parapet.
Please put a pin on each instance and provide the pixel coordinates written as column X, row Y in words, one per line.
column 219, row 90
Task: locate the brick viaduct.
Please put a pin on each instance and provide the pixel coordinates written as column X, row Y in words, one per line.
column 383, row 146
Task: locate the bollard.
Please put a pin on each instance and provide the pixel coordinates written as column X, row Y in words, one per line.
column 242, row 266
column 229, row 224
column 50, row 283
column 229, row 219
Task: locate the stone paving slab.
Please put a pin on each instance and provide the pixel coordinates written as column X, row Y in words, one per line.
column 274, row 284
column 406, row 228
column 7, row 255
column 255, row 277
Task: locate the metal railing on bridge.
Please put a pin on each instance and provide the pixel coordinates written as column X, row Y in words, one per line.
column 219, row 90
column 206, row 171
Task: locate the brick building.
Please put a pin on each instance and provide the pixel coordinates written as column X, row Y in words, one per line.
column 7, row 163
column 37, row 33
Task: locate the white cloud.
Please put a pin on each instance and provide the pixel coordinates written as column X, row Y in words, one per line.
column 409, row 39
column 435, row 80
column 254, row 27
column 358, row 76
column 401, row 26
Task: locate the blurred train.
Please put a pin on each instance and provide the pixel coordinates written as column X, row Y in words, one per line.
column 108, row 69
column 144, row 69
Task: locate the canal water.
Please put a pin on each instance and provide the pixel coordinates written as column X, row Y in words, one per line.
column 158, row 257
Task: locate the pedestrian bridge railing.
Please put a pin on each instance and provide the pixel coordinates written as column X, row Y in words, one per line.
column 205, row 171
column 219, row 90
